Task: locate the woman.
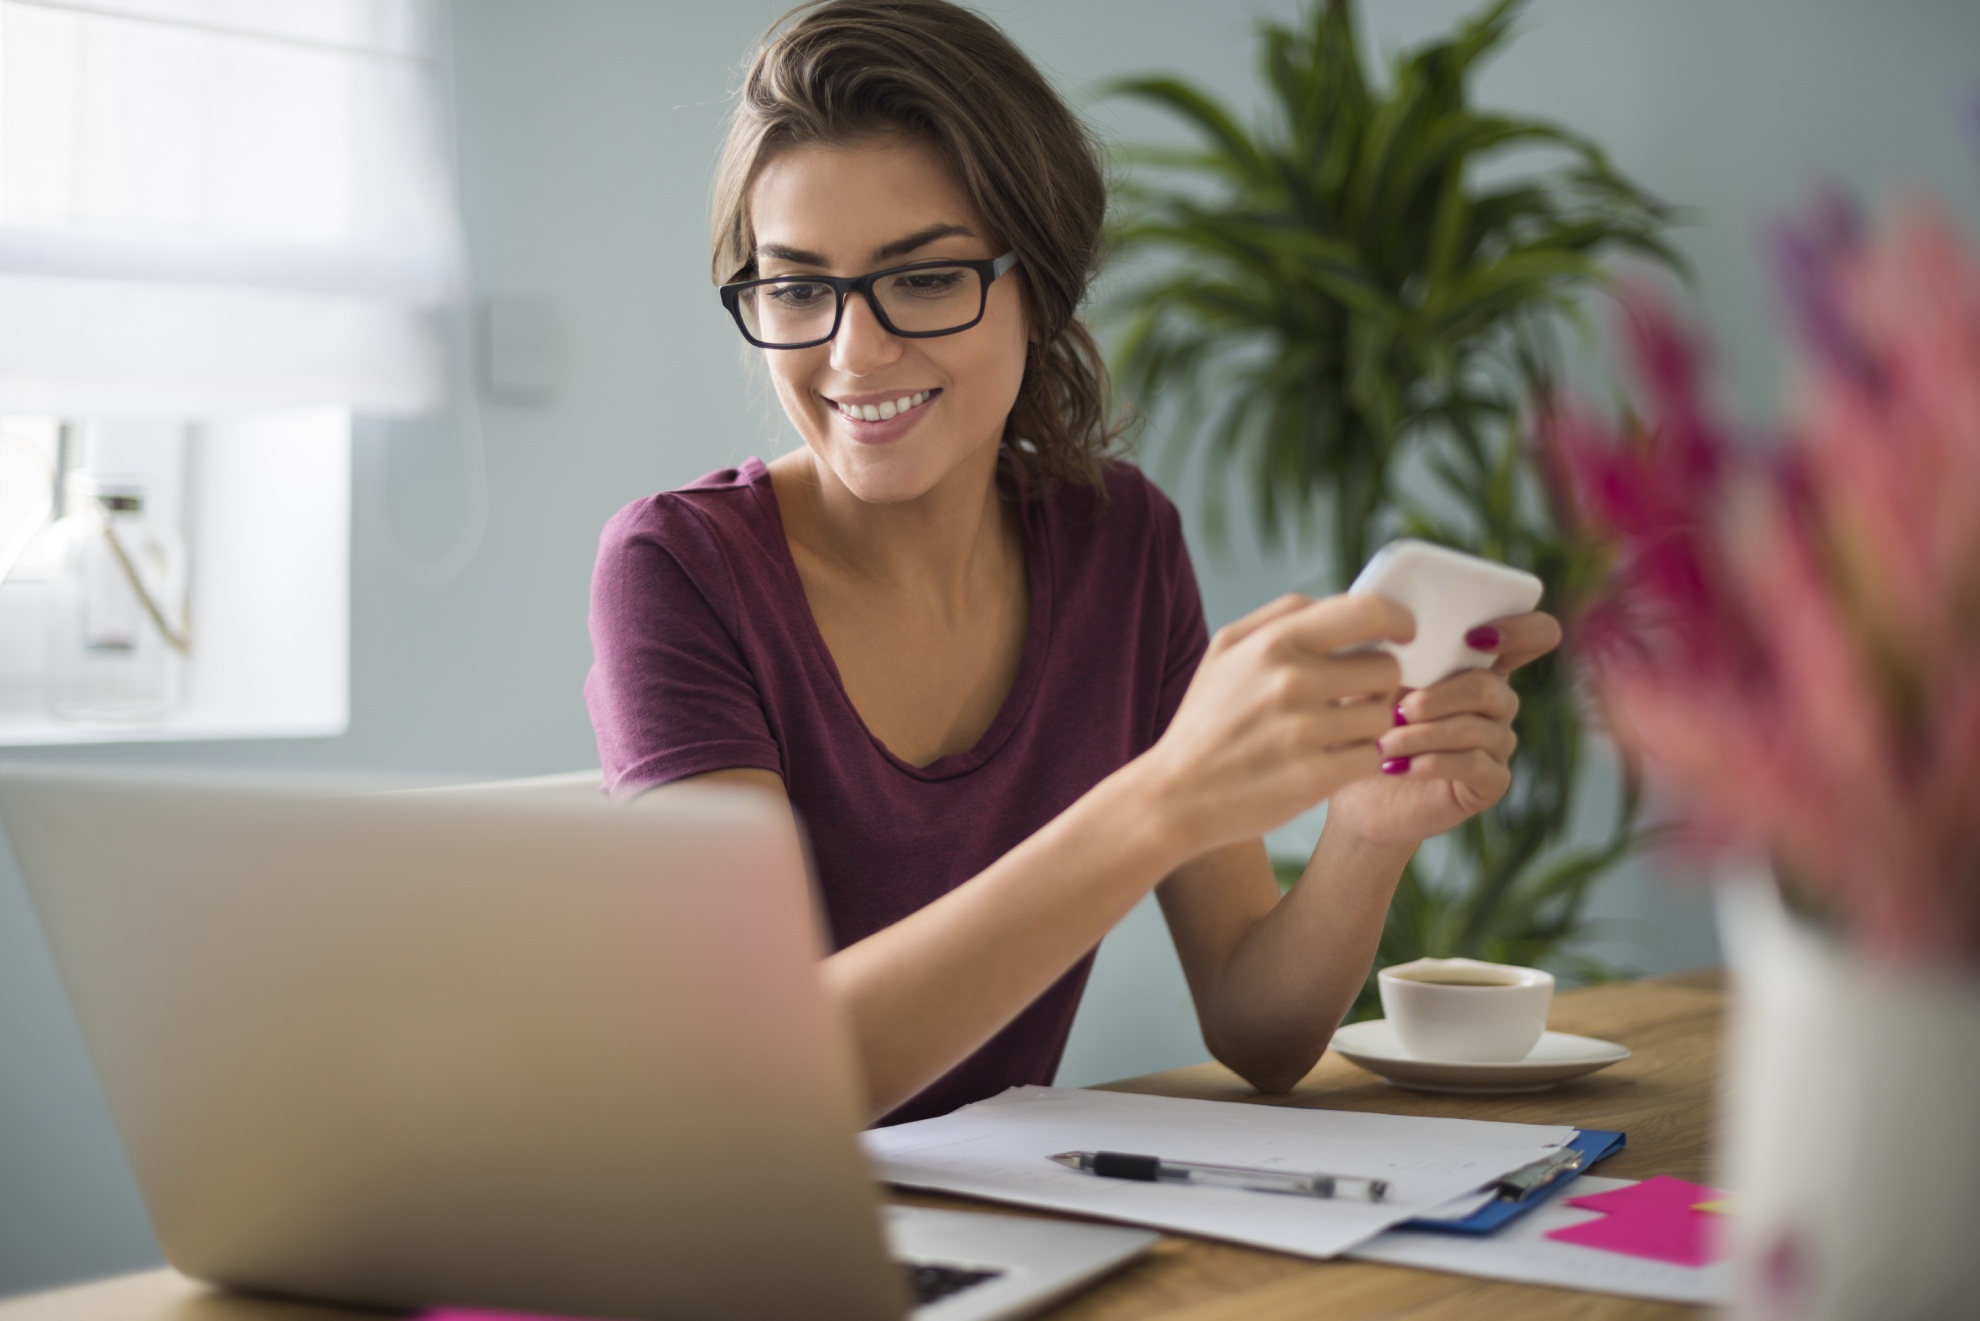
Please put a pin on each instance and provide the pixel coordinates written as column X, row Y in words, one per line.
column 966, row 646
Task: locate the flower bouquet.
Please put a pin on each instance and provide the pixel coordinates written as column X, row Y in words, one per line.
column 1789, row 638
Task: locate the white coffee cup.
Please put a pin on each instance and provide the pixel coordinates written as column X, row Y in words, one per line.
column 1466, row 1011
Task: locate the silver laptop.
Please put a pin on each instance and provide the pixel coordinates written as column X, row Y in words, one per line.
column 536, row 1053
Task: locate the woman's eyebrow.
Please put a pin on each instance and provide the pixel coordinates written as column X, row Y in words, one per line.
column 899, row 247
column 796, row 256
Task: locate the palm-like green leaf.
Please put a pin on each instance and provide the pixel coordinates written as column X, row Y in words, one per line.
column 1232, row 151
column 1334, row 295
column 1342, row 232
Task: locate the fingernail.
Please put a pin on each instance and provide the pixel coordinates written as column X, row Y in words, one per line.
column 1401, row 719
column 1482, row 638
column 1396, row 766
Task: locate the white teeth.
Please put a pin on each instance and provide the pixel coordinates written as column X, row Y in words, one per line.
column 882, row 411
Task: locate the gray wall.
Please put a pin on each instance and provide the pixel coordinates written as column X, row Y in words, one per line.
column 586, row 132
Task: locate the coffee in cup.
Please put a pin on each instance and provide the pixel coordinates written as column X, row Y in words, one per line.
column 1464, row 1010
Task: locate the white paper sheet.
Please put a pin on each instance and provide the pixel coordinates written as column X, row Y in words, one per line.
column 999, row 1149
column 1522, row 1251
column 1459, row 1207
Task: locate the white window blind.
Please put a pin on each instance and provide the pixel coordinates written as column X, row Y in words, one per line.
column 209, row 206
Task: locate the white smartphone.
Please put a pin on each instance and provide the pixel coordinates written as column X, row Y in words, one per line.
column 1450, row 593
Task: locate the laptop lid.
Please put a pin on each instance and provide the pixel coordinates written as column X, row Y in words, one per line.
column 407, row 1049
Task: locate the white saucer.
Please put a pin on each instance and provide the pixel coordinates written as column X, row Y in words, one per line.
column 1558, row 1055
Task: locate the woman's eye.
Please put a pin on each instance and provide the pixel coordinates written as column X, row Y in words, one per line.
column 797, row 295
column 928, row 284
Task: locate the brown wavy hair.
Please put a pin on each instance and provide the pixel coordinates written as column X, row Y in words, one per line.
column 842, row 71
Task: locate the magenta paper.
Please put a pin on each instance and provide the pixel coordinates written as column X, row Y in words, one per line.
column 1653, row 1219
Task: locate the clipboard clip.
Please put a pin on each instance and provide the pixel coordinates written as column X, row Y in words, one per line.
column 1529, row 1179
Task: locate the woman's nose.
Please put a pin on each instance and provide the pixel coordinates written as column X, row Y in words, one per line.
column 862, row 344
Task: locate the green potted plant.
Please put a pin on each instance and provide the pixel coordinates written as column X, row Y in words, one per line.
column 1334, row 306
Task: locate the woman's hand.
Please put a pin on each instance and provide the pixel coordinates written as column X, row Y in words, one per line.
column 1445, row 758
column 1276, row 720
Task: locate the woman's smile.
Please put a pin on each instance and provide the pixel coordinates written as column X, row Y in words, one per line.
column 876, row 419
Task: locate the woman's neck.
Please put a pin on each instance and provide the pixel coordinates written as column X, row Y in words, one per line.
column 935, row 547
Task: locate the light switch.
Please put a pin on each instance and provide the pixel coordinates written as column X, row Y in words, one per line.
column 524, row 349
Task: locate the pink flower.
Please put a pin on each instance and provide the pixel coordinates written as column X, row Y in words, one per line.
column 1792, row 637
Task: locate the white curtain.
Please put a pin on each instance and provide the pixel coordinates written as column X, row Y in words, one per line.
column 215, row 205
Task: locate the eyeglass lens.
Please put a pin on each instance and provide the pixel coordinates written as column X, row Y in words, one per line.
column 929, row 300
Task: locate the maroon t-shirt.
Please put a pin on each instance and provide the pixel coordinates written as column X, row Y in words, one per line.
column 706, row 657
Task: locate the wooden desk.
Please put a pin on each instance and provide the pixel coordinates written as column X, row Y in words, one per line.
column 1662, row 1096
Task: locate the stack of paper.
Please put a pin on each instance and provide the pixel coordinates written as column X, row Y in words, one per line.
column 1000, row 1149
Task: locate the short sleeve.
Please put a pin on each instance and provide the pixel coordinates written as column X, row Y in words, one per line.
column 671, row 693
column 1187, row 637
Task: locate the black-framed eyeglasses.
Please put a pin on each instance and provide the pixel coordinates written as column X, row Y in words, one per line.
column 920, row 300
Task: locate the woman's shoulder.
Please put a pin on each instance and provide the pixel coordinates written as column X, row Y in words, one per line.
column 716, row 514
column 1129, row 486
column 716, row 537
column 1127, row 506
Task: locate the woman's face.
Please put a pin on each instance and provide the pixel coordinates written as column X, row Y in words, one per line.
column 850, row 210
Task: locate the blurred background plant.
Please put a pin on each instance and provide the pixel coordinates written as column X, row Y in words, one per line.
column 1332, row 306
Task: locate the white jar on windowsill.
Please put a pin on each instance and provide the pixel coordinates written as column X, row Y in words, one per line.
column 119, row 627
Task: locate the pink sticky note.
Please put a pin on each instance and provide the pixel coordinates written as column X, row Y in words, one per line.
column 1655, row 1219
column 1662, row 1191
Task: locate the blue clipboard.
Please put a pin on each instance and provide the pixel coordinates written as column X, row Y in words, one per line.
column 1597, row 1143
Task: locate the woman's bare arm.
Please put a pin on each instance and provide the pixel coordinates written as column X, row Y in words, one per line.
column 984, row 951
column 1271, row 977
column 1274, row 722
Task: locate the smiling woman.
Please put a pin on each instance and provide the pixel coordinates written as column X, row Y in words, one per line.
column 962, row 641
column 1022, row 164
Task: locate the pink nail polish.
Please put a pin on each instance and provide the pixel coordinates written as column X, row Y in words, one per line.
column 1396, row 766
column 1482, row 638
column 1401, row 719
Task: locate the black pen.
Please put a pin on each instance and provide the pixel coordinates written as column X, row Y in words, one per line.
column 1153, row 1169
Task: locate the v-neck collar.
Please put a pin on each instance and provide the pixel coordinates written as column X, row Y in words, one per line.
column 1037, row 635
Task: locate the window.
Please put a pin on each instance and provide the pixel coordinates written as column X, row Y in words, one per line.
column 31, row 461
column 223, row 229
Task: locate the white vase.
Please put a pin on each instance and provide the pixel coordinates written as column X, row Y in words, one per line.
column 119, row 598
column 1851, row 1134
